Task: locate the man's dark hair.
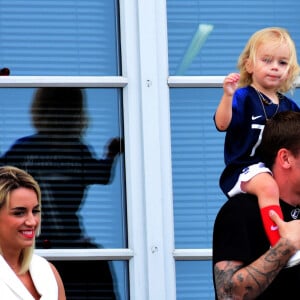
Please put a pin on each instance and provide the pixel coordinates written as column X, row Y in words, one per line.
column 282, row 131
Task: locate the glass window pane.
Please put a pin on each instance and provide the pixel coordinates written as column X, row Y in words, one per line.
column 95, row 279
column 206, row 37
column 60, row 37
column 197, row 162
column 60, row 136
column 194, row 280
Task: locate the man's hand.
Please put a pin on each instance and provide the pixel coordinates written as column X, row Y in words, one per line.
column 288, row 230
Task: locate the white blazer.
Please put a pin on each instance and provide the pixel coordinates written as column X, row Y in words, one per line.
column 11, row 288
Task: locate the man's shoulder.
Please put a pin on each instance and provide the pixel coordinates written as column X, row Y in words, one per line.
column 238, row 209
column 241, row 201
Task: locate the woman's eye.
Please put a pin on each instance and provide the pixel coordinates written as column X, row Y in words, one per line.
column 18, row 213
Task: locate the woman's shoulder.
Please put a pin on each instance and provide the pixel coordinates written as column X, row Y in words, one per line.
column 43, row 276
column 36, row 259
column 40, row 265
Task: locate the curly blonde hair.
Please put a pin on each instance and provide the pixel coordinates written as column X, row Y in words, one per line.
column 277, row 36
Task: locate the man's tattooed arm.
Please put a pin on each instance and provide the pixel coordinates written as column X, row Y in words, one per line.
column 236, row 281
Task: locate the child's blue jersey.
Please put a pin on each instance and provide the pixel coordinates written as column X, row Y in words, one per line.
column 244, row 133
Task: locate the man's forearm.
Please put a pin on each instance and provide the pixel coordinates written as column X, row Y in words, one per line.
column 235, row 281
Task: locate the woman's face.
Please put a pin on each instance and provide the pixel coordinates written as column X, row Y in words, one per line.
column 19, row 220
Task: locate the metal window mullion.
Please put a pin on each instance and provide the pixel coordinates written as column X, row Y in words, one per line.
column 65, row 81
column 201, row 81
column 85, row 254
column 156, row 148
column 138, row 275
column 192, row 254
column 195, row 81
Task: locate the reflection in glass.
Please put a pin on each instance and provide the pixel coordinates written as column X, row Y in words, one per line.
column 57, row 150
column 194, row 280
column 63, row 164
column 197, row 162
column 233, row 22
column 93, row 280
column 198, row 40
column 60, row 38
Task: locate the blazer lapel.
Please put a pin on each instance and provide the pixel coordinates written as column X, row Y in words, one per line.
column 13, row 283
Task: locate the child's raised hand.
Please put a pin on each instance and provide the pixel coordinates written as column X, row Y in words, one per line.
column 230, row 83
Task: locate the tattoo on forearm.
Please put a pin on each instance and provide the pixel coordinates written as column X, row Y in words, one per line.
column 233, row 278
column 225, row 275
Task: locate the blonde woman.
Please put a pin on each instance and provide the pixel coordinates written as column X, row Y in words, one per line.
column 23, row 274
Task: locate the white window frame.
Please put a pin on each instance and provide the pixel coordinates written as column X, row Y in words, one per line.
column 145, row 83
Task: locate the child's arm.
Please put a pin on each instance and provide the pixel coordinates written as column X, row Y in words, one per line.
column 265, row 188
column 224, row 110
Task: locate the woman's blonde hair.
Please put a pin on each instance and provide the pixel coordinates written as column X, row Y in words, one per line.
column 277, row 36
column 12, row 178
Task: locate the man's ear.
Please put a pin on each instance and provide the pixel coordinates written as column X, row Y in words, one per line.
column 284, row 157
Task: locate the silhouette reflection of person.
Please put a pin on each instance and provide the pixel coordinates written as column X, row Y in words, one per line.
column 64, row 167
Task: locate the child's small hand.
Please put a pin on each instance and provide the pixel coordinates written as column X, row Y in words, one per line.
column 115, row 146
column 230, row 83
